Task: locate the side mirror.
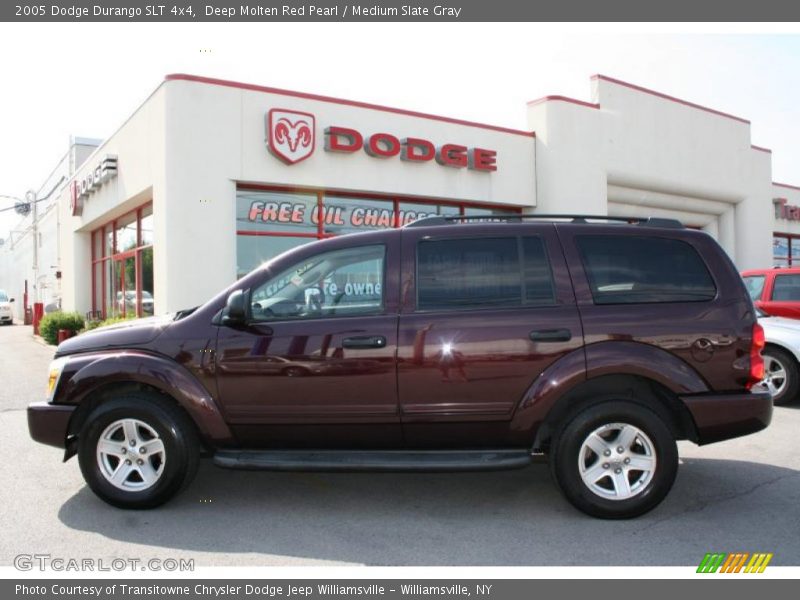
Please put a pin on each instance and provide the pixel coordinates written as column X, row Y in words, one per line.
column 235, row 312
column 10, row 299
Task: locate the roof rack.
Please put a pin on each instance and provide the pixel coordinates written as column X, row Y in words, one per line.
column 641, row 221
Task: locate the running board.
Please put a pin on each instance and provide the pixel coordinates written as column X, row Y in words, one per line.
column 373, row 460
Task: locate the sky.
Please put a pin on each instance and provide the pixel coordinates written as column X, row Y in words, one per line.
column 85, row 79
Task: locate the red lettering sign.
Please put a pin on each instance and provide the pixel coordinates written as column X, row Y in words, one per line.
column 342, row 139
column 452, row 155
column 382, row 145
column 417, row 150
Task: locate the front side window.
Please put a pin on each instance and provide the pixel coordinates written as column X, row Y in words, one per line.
column 754, row 285
column 338, row 283
column 626, row 269
column 786, row 288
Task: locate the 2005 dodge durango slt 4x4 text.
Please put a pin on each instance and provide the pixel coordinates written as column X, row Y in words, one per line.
column 449, row 344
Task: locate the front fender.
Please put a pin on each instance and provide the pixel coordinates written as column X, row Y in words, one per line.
column 89, row 372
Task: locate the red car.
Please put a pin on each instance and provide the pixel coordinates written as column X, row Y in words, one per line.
column 775, row 291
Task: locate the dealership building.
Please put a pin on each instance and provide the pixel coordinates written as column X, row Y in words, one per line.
column 209, row 178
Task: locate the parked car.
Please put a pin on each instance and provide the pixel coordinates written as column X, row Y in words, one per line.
column 454, row 344
column 6, row 310
column 129, row 303
column 781, row 357
column 775, row 291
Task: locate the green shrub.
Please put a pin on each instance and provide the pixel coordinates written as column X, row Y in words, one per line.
column 52, row 322
column 109, row 321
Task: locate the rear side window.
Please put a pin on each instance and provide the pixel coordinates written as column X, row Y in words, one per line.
column 754, row 285
column 483, row 273
column 786, row 288
column 633, row 269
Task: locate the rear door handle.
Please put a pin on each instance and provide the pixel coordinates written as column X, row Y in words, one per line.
column 551, row 335
column 364, row 341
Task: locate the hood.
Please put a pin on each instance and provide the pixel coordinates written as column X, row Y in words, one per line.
column 126, row 334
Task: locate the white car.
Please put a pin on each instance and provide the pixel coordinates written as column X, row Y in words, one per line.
column 781, row 357
column 6, row 312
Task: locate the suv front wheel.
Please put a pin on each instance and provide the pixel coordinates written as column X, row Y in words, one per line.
column 615, row 460
column 137, row 451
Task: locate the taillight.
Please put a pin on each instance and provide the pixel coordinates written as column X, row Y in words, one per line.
column 756, row 360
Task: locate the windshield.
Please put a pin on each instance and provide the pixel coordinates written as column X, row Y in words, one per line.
column 3, row 296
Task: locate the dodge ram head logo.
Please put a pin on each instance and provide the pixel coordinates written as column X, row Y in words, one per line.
column 291, row 134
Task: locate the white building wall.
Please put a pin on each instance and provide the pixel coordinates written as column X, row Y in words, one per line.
column 140, row 147
column 638, row 153
column 627, row 152
column 216, row 137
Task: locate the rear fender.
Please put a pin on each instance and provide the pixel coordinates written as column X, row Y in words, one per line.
column 595, row 361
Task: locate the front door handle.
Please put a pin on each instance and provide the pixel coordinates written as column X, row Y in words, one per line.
column 364, row 341
column 551, row 335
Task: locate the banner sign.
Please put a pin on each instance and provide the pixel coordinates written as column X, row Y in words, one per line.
column 386, row 589
column 399, row 11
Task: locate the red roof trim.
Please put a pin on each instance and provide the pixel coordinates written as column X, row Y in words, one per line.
column 786, row 185
column 761, row 149
column 562, row 99
column 671, row 98
column 398, row 111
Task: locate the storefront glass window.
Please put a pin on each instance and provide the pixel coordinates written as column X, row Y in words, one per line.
column 286, row 212
column 109, row 239
column 147, row 269
column 269, row 222
column 347, row 215
column 146, row 226
column 126, row 232
column 122, row 273
column 254, row 250
column 785, row 250
column 413, row 211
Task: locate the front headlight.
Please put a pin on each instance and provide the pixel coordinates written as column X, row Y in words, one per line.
column 56, row 367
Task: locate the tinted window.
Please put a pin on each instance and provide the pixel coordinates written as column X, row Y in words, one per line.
column 786, row 287
column 538, row 277
column 754, row 285
column 631, row 269
column 339, row 283
column 482, row 273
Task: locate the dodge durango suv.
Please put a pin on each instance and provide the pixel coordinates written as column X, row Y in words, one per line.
column 449, row 344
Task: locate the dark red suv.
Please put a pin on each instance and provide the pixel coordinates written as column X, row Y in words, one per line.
column 447, row 345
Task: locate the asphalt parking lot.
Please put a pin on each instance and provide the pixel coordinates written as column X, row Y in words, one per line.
column 740, row 495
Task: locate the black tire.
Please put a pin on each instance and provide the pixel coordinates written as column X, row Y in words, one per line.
column 789, row 390
column 566, row 450
column 181, row 450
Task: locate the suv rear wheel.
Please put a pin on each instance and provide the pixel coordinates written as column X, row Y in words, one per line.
column 137, row 451
column 781, row 376
column 615, row 460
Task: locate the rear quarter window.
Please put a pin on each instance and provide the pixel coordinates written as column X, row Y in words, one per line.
column 636, row 269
